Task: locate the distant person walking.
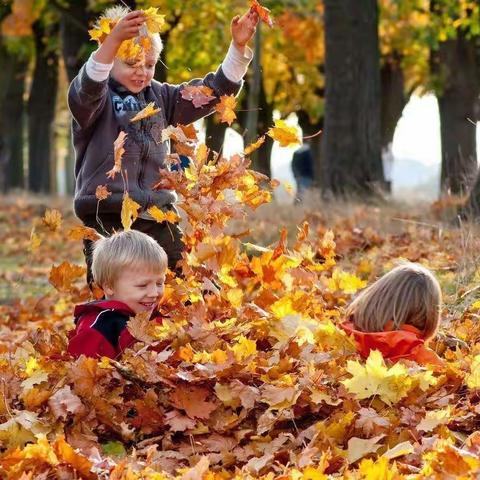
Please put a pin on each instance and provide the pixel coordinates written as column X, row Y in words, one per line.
column 302, row 168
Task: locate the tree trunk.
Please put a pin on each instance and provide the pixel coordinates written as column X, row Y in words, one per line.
column 393, row 101
column 456, row 65
column 12, row 88
column 214, row 133
column 74, row 25
column 41, row 112
column 351, row 160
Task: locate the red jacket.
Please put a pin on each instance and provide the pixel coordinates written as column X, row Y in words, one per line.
column 101, row 329
column 406, row 343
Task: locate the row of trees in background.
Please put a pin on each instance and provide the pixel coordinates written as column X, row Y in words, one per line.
column 347, row 67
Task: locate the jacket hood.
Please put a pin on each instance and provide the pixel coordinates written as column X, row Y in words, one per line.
column 393, row 344
column 100, row 305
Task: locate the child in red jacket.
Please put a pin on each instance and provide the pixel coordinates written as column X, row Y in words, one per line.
column 130, row 267
column 397, row 315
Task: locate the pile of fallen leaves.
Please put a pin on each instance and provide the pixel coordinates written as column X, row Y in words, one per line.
column 249, row 375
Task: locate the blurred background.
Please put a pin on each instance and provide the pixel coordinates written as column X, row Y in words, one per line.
column 392, row 84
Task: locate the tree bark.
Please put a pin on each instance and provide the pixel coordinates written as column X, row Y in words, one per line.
column 41, row 111
column 455, row 63
column 351, row 160
column 214, row 133
column 12, row 88
column 74, row 23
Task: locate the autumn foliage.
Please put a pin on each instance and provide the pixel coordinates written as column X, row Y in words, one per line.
column 249, row 375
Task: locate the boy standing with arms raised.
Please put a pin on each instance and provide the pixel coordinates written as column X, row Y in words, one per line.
column 107, row 93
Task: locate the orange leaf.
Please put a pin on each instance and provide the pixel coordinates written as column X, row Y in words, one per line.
column 129, row 211
column 199, row 95
column 161, row 216
column 226, row 108
column 284, row 134
column 63, row 276
column 262, row 12
column 78, row 462
column 118, row 154
column 52, row 219
column 102, row 192
column 148, row 111
column 81, row 232
column 254, row 146
column 192, row 400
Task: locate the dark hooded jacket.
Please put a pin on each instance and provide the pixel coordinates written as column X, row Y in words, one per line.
column 101, row 110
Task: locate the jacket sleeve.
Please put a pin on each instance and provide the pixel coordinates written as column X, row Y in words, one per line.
column 178, row 110
column 86, row 99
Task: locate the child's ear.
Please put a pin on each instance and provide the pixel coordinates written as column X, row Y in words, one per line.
column 108, row 289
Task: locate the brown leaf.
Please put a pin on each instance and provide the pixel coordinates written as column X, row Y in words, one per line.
column 198, row 95
column 63, row 402
column 118, row 152
column 179, row 422
column 82, row 232
column 102, row 192
column 192, row 400
column 263, row 13
column 141, row 327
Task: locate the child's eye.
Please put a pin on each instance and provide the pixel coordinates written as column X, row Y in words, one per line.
column 150, row 66
column 159, row 284
column 143, row 285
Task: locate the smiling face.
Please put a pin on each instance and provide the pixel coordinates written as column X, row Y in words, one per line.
column 135, row 74
column 139, row 288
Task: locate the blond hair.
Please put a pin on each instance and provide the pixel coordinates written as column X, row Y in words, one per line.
column 128, row 249
column 117, row 12
column 409, row 294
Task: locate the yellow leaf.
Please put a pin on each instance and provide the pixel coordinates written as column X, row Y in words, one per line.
column 31, row 365
column 378, row 470
column 35, row 241
column 130, row 50
column 254, row 146
column 374, row 378
column 129, row 211
column 52, row 219
column 154, row 20
column 235, row 297
column 345, row 282
column 161, row 216
column 148, row 111
column 284, row 134
column 473, row 378
column 244, row 348
column 404, row 448
column 433, row 419
column 226, row 108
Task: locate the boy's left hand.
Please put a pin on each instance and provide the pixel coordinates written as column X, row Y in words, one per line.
column 243, row 28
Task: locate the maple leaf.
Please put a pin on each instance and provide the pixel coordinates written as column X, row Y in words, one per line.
column 160, row 216
column 226, row 108
column 192, row 400
column 100, row 31
column 101, row 191
column 52, row 219
column 198, row 95
column 390, row 384
column 75, row 460
column 63, row 276
column 263, row 13
column 284, row 134
column 399, row 450
column 35, row 241
column 130, row 50
column 254, row 146
column 433, row 419
column 345, row 282
column 358, row 447
column 148, row 111
column 142, row 328
column 154, row 20
column 369, row 420
column 129, row 211
column 473, row 378
column 64, row 402
column 82, row 232
column 179, row 422
column 118, row 152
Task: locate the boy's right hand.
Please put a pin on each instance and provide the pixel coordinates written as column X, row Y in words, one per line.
column 128, row 27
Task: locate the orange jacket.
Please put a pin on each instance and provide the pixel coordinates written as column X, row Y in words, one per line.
column 406, row 343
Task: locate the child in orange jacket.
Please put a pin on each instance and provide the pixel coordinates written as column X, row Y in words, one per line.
column 397, row 315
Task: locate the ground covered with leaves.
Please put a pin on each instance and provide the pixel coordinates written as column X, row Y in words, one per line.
column 249, row 375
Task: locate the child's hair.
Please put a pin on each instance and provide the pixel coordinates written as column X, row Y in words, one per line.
column 119, row 11
column 125, row 250
column 409, row 294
